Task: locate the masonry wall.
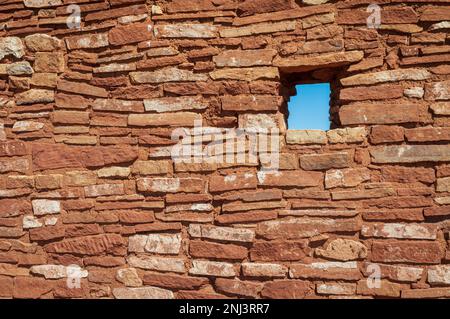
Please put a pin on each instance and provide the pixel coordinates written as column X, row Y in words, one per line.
column 87, row 177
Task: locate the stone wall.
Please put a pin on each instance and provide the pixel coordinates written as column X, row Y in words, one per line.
column 88, row 177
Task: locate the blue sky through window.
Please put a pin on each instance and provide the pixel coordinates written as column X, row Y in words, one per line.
column 310, row 108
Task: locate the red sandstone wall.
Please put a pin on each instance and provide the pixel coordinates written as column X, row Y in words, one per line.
column 86, row 117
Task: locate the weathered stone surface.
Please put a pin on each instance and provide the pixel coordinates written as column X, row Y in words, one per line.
column 232, row 182
column 49, row 62
column 43, row 42
column 131, row 33
column 439, row 275
column 294, row 228
column 348, row 177
column 170, row 185
column 166, row 75
column 245, row 74
column 336, row 289
column 103, row 190
column 395, row 273
column 381, row 113
column 438, row 91
column 56, row 271
column 244, row 58
column 204, row 249
column 221, row 233
column 19, row 165
column 48, row 156
column 257, row 29
column 142, row 293
column 343, row 249
column 116, row 105
column 90, row 245
column 250, row 7
column 35, row 96
column 406, row 252
column 301, row 63
column 27, row 126
column 386, row 289
column 152, row 167
column 87, row 41
column 163, row 243
column 81, row 88
column 175, row 119
column 347, row 135
column 42, row 3
column 291, row 178
column 237, row 287
column 402, row 231
column 31, row 288
column 426, row 293
column 306, row 137
column 279, row 251
column 172, row 104
column 170, row 281
column 11, row 46
column 387, row 134
column 332, row 270
column 45, row 206
column 410, row 154
column 264, row 270
column 380, row 92
column 129, row 277
column 19, row 68
column 212, row 268
column 186, row 31
column 245, row 103
column 387, row 76
column 115, row 171
column 286, row 289
column 441, row 108
column 157, row 263
column 325, row 161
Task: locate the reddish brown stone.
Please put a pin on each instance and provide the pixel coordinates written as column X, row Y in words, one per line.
column 47, row 233
column 407, row 174
column 236, row 287
column 381, row 92
column 48, row 156
column 131, row 33
column 12, row 149
column 249, row 7
column 279, row 251
column 286, row 289
column 90, row 245
column 204, row 249
column 131, row 217
column 31, row 288
column 247, row 217
column 232, row 182
column 437, row 211
column 6, row 287
column 14, row 207
column 407, row 252
column 386, row 134
column 170, row 281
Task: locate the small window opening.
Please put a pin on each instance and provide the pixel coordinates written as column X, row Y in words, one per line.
column 309, row 109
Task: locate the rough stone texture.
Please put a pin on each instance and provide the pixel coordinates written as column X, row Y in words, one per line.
column 90, row 122
column 343, row 249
